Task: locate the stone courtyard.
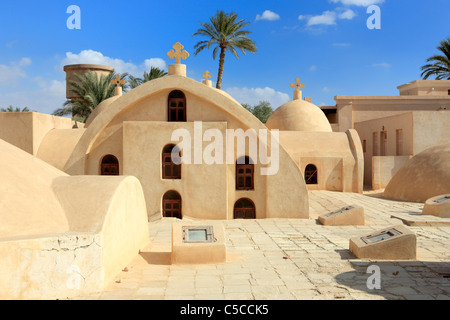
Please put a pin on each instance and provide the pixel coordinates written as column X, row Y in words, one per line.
column 296, row 259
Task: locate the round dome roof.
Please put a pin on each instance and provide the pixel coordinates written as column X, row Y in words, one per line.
column 102, row 106
column 299, row 115
column 424, row 176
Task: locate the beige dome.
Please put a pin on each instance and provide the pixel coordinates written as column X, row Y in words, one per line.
column 426, row 175
column 299, row 115
column 102, row 106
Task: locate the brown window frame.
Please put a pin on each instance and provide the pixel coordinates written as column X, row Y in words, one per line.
column 172, row 212
column 248, row 171
column 109, row 169
column 311, row 176
column 176, row 100
column 169, row 164
column 247, row 212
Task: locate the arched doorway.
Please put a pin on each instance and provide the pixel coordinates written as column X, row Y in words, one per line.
column 172, row 205
column 109, row 166
column 244, row 209
column 311, row 174
column 177, row 107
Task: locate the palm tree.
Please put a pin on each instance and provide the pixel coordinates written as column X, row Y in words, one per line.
column 154, row 73
column 225, row 32
column 12, row 109
column 92, row 90
column 441, row 66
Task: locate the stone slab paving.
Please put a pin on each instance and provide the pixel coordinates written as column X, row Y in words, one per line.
column 293, row 259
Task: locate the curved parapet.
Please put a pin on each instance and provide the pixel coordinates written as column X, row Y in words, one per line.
column 63, row 236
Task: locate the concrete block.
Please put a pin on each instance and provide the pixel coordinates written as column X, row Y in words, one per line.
column 438, row 206
column 198, row 243
column 351, row 215
column 395, row 243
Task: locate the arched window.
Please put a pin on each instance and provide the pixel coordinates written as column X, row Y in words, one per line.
column 170, row 170
column 177, row 107
column 109, row 166
column 244, row 174
column 311, row 174
column 244, row 209
column 172, row 204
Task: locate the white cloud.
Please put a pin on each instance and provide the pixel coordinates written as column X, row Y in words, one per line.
column 24, row 62
column 11, row 43
column 120, row 66
column 328, row 17
column 48, row 96
column 313, row 68
column 348, row 14
column 268, row 15
column 383, row 65
column 155, row 62
column 10, row 74
column 360, row 3
column 253, row 96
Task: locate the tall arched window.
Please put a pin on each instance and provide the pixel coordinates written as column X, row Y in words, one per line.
column 244, row 209
column 245, row 174
column 177, row 106
column 172, row 204
column 109, row 166
column 311, row 174
column 170, row 170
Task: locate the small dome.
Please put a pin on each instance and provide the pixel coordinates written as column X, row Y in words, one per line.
column 299, row 115
column 102, row 106
column 424, row 176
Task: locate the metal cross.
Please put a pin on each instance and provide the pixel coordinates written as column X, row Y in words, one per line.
column 297, row 85
column 206, row 75
column 117, row 82
column 178, row 53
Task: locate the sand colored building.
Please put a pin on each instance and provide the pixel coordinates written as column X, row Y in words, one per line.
column 222, row 175
column 328, row 160
column 176, row 147
column 392, row 129
column 57, row 240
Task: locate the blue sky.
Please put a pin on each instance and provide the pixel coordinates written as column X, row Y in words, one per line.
column 326, row 43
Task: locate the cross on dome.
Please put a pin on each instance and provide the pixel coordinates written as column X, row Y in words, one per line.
column 297, row 85
column 178, row 53
column 206, row 75
column 117, row 82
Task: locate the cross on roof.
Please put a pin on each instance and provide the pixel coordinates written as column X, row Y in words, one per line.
column 117, row 82
column 178, row 53
column 297, row 85
column 206, row 75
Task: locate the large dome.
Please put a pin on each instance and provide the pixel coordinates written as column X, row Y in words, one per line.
column 299, row 115
column 426, row 175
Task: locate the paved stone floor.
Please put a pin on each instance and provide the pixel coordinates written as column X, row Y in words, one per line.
column 292, row 259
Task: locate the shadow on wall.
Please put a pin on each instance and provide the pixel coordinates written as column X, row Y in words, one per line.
column 398, row 280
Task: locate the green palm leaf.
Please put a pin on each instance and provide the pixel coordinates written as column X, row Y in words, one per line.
column 440, row 69
column 91, row 90
column 225, row 33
